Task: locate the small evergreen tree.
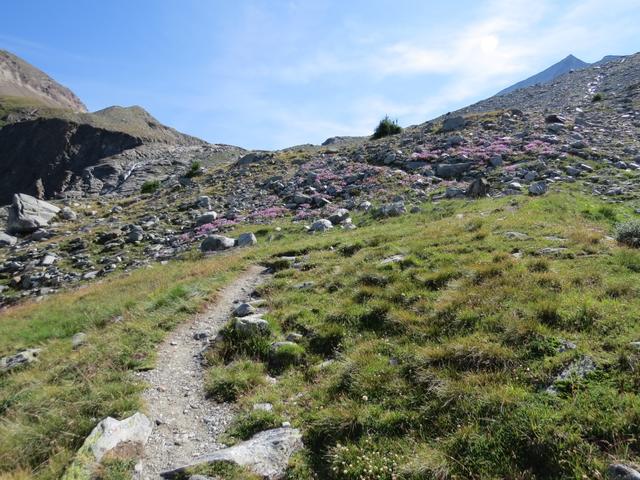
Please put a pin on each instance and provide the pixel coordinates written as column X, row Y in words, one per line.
column 386, row 127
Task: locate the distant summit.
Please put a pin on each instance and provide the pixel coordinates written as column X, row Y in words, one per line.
column 563, row 66
column 21, row 79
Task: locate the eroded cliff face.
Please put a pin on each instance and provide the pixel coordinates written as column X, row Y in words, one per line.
column 43, row 157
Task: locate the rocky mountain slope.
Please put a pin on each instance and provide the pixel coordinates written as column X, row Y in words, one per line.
column 447, row 302
column 20, row 79
column 51, row 146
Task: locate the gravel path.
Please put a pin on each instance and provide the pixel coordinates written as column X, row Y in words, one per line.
column 186, row 423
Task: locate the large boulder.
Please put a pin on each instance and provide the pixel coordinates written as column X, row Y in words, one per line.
column 124, row 439
column 27, row 214
column 214, row 243
column 265, row 454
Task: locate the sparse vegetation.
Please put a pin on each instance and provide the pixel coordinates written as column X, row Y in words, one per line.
column 386, row 127
column 597, row 97
column 194, row 169
column 150, row 186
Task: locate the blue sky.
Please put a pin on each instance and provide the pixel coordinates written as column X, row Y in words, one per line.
column 275, row 73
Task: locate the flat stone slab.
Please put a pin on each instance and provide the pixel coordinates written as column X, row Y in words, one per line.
column 266, row 454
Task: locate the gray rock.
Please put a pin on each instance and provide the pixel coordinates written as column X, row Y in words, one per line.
column 206, row 218
column 538, row 188
column 394, row 209
column 321, row 225
column 618, row 471
column 247, row 239
column 265, row 454
column 294, row 337
column 339, row 216
column 452, row 123
column 107, row 436
column 578, row 369
column 78, row 340
column 19, row 359
column 48, row 260
column 215, row 243
column 251, row 325
column 452, row 170
column 365, row 206
column 392, row 259
column 453, row 192
column 496, row 161
column 243, row 310
column 478, row 188
column 27, row 214
column 68, row 214
column 7, row 240
column 203, row 202
column 264, row 407
column 516, row 236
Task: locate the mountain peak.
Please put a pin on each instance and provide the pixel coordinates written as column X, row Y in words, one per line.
column 570, row 62
column 21, row 79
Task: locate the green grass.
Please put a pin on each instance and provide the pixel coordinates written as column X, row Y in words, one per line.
column 436, row 366
column 431, row 367
column 47, row 410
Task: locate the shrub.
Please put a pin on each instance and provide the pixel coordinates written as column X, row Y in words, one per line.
column 194, row 169
column 597, row 97
column 227, row 383
column 150, row 186
column 386, row 127
column 628, row 233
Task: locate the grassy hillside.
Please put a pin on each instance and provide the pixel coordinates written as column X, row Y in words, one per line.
column 428, row 344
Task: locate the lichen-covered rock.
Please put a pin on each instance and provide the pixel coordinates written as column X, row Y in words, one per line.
column 125, row 438
column 265, row 454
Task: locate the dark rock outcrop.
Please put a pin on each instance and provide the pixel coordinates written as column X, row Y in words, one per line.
column 42, row 157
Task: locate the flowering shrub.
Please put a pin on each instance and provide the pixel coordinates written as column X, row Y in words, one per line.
column 539, row 147
column 214, row 226
column 268, row 213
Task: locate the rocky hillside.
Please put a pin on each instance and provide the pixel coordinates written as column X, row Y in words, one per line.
column 20, row 79
column 53, row 148
column 453, row 301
